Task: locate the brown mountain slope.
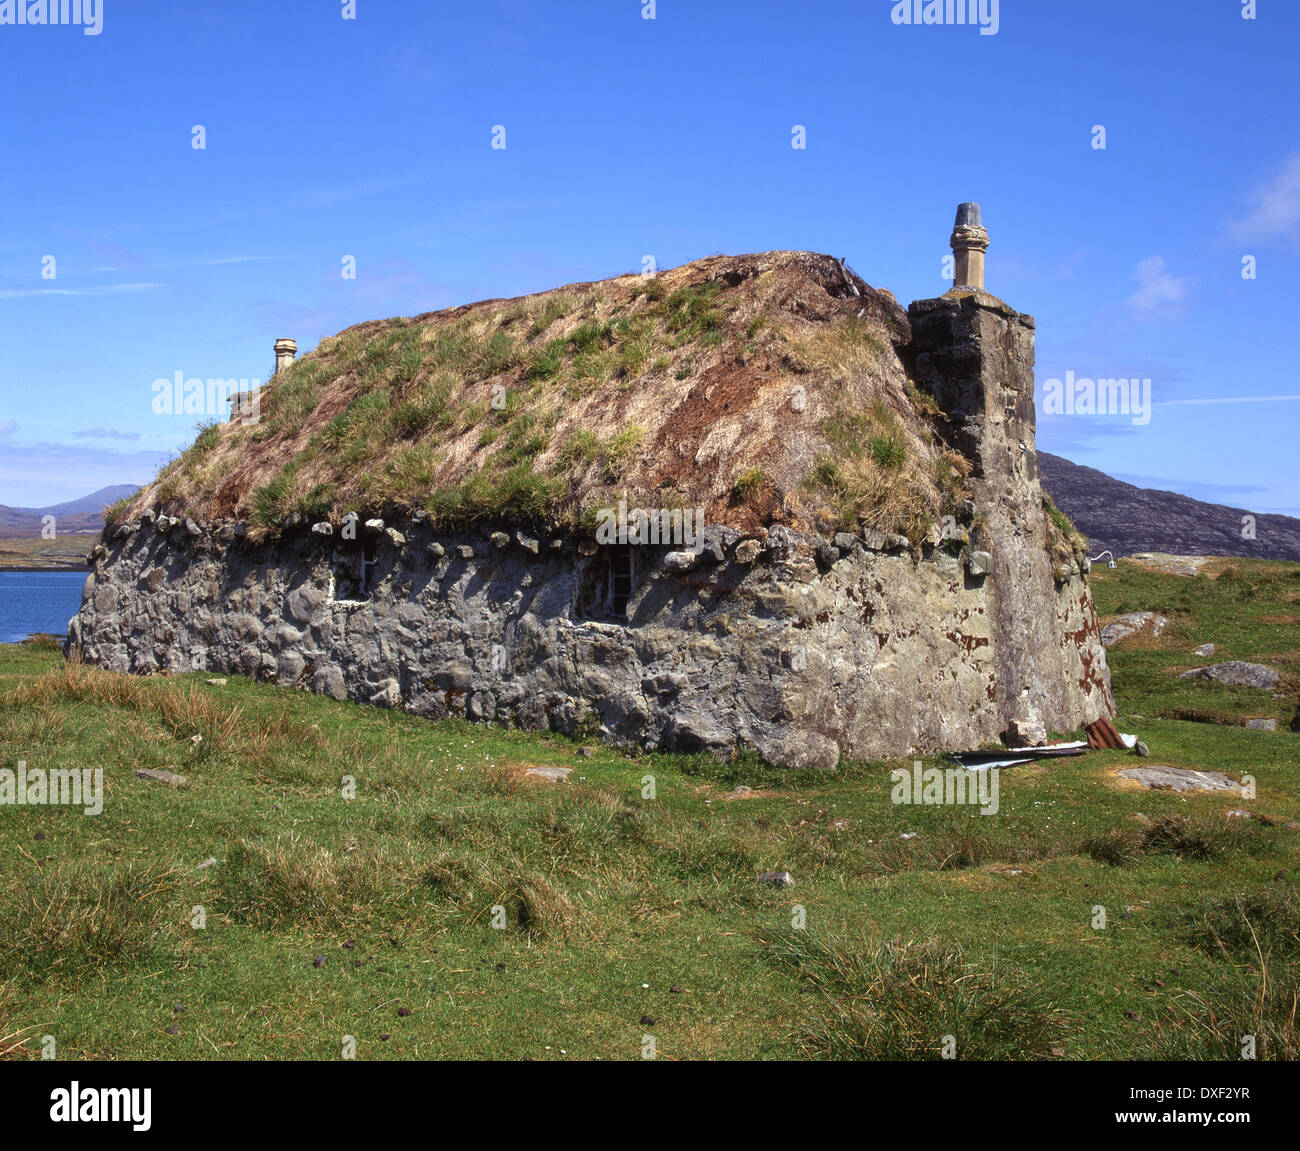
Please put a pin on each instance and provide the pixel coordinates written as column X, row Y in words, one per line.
column 1128, row 519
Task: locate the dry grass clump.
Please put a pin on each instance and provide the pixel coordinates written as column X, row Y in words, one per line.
column 1260, row 1010
column 288, row 881
column 878, row 476
column 1254, row 1002
column 846, row 352
column 186, row 710
column 13, row 1043
column 70, row 916
column 1247, row 924
column 1064, row 540
column 522, row 897
column 911, row 1000
column 1209, row 838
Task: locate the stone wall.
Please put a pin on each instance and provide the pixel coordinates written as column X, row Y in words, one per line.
column 799, row 648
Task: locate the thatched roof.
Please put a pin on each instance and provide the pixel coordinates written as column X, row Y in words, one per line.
column 766, row 388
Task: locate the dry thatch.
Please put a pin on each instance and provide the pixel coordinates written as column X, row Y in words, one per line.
column 765, row 388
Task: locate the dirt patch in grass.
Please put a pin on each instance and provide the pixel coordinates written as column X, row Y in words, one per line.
column 749, row 793
column 1202, row 715
column 1172, row 636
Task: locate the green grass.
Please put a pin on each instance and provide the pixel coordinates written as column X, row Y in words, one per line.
column 868, row 475
column 209, row 435
column 288, row 399
column 554, row 308
column 426, row 408
column 692, row 313
column 912, row 1000
column 492, row 492
column 1249, row 612
column 271, row 502
column 976, row 928
column 750, row 483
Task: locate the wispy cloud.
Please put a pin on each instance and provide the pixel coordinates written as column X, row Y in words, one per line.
column 1226, row 400
column 1275, row 206
column 322, row 197
column 208, row 262
column 36, row 475
column 411, row 63
column 8, row 427
column 236, row 259
column 105, row 434
column 1159, row 295
column 1213, row 492
column 104, row 290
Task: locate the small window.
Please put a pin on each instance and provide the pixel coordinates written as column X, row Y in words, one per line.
column 354, row 571
column 606, row 581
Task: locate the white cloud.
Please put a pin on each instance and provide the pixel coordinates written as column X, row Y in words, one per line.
column 1159, row 294
column 235, row 260
column 107, row 290
column 1275, row 206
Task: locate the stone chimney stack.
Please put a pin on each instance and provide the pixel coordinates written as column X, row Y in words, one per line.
column 969, row 242
column 285, row 350
column 975, row 355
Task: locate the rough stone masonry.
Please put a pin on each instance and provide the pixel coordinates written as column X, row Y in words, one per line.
column 804, row 647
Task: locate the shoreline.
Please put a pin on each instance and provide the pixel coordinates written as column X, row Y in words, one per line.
column 31, row 635
column 69, row 551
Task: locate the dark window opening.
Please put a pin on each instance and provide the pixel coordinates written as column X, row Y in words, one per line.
column 606, row 582
column 354, row 571
column 620, row 580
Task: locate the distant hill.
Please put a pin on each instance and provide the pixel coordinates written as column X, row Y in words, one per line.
column 79, row 515
column 1127, row 519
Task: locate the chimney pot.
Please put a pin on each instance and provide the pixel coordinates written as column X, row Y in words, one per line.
column 285, row 350
column 969, row 242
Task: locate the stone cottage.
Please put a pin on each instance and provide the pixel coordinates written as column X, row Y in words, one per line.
column 747, row 503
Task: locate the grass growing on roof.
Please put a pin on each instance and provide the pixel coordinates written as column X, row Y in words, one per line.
column 871, row 476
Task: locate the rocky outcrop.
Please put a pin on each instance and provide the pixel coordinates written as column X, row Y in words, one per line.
column 1123, row 626
column 1161, row 778
column 1238, row 673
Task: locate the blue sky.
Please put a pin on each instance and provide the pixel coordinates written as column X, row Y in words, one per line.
column 628, row 137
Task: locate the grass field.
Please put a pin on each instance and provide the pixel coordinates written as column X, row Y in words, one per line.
column 623, row 919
